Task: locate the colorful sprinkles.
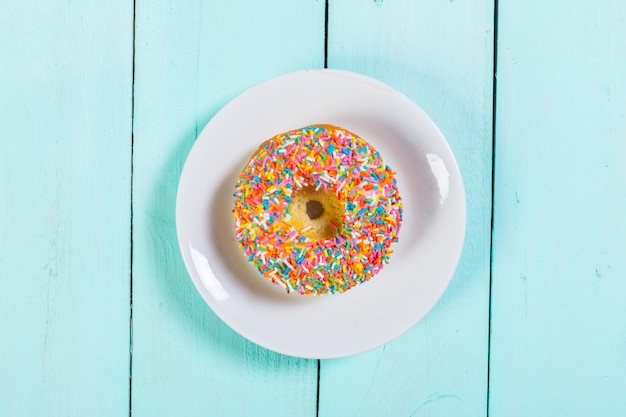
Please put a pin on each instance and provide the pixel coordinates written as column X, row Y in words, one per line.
column 337, row 161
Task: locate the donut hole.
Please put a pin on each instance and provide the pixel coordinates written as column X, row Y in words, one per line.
column 318, row 215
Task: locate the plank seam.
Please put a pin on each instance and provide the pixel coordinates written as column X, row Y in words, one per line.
column 132, row 178
column 317, row 397
column 493, row 176
column 326, row 34
column 319, row 364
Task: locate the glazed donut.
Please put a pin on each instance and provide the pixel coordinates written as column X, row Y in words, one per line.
column 317, row 210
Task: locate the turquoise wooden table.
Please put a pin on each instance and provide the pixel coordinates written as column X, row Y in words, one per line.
column 100, row 102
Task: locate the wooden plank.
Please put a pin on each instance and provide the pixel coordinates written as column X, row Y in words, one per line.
column 191, row 58
column 440, row 54
column 65, row 135
column 558, row 315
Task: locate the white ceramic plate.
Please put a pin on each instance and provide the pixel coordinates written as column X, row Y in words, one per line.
column 368, row 315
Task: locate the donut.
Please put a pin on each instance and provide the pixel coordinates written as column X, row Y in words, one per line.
column 317, row 210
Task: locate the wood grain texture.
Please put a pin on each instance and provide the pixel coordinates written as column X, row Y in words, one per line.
column 558, row 315
column 441, row 55
column 191, row 58
column 65, row 135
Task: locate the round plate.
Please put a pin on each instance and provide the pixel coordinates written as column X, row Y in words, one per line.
column 372, row 313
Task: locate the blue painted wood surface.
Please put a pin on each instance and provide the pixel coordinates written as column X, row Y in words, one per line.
column 100, row 103
column 559, row 249
column 65, row 167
